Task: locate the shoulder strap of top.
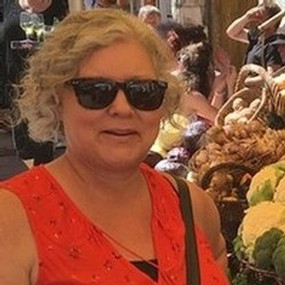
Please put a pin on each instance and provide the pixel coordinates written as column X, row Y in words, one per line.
column 192, row 261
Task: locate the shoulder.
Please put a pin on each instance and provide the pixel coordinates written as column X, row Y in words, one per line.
column 17, row 250
column 207, row 218
column 205, row 211
column 12, row 214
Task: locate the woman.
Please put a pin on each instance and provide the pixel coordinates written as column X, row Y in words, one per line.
column 96, row 214
column 205, row 92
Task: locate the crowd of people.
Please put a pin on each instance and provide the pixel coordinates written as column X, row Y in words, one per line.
column 126, row 104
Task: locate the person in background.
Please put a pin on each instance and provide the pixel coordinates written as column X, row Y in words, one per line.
column 15, row 62
column 202, row 63
column 10, row 163
column 202, row 86
column 204, row 93
column 260, row 49
column 150, row 15
column 89, row 4
column 207, row 81
column 97, row 213
column 279, row 42
column 105, row 4
column 51, row 9
column 178, row 35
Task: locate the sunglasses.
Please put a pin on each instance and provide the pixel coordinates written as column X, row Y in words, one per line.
column 95, row 93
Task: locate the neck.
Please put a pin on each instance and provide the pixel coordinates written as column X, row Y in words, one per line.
column 95, row 179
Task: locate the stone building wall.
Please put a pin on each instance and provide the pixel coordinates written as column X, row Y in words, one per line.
column 188, row 10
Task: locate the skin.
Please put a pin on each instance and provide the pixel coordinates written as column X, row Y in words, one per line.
column 104, row 177
column 152, row 19
column 35, row 6
column 237, row 29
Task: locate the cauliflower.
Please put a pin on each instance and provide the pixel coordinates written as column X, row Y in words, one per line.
column 257, row 220
column 264, row 247
column 278, row 258
column 279, row 195
column 263, row 184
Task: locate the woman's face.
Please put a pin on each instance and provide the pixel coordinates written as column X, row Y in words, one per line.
column 119, row 134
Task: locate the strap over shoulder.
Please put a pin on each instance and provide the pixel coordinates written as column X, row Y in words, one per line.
column 192, row 260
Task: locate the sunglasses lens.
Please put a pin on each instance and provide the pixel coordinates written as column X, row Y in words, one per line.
column 94, row 94
column 146, row 95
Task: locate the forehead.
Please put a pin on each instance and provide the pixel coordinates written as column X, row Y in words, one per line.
column 119, row 59
column 154, row 14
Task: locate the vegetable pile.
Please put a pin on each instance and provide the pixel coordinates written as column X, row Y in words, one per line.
column 253, row 145
column 261, row 235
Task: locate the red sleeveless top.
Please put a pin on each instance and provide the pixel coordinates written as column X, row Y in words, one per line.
column 72, row 250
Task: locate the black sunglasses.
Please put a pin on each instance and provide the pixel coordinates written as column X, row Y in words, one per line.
column 95, row 93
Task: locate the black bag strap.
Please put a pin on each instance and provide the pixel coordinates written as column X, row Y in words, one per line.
column 192, row 261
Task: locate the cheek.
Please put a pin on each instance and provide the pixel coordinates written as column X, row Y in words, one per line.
column 153, row 122
column 74, row 118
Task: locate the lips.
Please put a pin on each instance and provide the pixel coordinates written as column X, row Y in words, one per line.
column 120, row 132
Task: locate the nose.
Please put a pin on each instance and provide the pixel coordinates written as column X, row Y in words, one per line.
column 120, row 105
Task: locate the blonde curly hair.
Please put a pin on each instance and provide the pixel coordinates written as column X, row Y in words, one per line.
column 58, row 60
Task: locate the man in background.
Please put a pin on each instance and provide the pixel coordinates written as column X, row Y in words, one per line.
column 15, row 66
column 150, row 14
column 260, row 49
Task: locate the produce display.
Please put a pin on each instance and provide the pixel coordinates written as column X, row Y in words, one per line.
column 242, row 167
column 280, row 81
column 253, row 145
column 242, row 112
column 279, row 98
column 261, row 235
column 268, row 185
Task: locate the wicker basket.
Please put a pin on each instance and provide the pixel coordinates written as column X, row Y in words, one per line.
column 251, row 76
column 235, row 169
column 278, row 97
column 231, row 210
column 253, row 82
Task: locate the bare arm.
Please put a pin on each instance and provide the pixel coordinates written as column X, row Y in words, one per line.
column 207, row 217
column 209, row 222
column 223, row 84
column 35, row 6
column 195, row 102
column 237, row 29
column 17, row 252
